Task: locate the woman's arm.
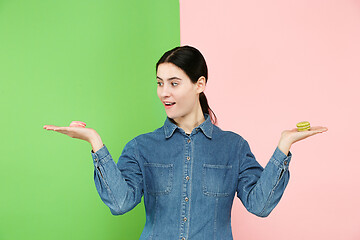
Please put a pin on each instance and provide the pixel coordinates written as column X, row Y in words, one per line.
column 120, row 186
column 260, row 189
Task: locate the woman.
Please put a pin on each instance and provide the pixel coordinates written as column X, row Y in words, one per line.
column 189, row 169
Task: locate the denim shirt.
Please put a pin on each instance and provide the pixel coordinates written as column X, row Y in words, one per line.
column 189, row 181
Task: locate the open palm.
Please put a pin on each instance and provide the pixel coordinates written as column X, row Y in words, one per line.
column 294, row 135
column 74, row 132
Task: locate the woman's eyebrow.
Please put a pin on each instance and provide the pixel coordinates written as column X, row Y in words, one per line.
column 172, row 78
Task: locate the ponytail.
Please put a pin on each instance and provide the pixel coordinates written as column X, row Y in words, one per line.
column 206, row 109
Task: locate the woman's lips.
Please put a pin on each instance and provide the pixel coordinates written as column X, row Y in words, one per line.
column 169, row 106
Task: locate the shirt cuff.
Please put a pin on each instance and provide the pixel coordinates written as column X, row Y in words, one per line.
column 101, row 156
column 280, row 159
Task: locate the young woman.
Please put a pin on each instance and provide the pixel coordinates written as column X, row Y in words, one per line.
column 189, row 170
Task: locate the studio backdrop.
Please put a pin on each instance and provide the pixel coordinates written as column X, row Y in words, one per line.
column 271, row 65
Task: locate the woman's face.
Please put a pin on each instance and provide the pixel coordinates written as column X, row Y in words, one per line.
column 175, row 90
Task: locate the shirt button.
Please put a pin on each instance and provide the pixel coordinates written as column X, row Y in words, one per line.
column 188, row 158
column 189, row 141
column 186, row 199
column 285, row 162
column 187, row 178
column 185, row 219
column 183, row 238
column 96, row 160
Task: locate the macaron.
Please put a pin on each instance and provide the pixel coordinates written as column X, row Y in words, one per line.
column 303, row 126
column 77, row 124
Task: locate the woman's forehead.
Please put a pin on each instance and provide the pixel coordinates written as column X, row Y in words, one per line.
column 170, row 70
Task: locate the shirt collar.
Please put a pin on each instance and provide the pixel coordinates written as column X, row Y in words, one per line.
column 206, row 127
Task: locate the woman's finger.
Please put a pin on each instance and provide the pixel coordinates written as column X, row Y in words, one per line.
column 60, row 130
column 318, row 129
column 54, row 128
column 50, row 127
column 313, row 131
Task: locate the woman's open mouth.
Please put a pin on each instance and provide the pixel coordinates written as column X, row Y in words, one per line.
column 169, row 104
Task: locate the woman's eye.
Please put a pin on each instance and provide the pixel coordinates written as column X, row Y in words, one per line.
column 174, row 84
column 159, row 83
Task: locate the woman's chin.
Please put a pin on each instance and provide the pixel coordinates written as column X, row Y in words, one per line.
column 169, row 115
column 172, row 115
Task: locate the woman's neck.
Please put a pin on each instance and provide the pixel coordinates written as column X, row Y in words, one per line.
column 191, row 121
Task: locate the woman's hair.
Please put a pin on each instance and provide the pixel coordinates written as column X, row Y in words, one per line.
column 192, row 62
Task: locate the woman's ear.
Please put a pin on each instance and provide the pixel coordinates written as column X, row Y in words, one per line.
column 201, row 84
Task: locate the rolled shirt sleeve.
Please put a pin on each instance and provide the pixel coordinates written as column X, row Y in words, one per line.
column 120, row 185
column 260, row 189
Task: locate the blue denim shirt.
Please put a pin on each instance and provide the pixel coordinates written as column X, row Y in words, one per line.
column 189, row 181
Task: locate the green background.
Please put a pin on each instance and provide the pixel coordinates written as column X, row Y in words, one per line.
column 60, row 61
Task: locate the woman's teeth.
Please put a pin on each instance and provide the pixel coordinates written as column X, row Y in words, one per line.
column 169, row 104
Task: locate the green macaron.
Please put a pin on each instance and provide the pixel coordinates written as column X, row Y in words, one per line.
column 303, row 126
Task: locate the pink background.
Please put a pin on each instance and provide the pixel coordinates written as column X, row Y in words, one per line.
column 273, row 64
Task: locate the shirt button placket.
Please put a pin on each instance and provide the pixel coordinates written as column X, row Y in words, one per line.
column 185, row 201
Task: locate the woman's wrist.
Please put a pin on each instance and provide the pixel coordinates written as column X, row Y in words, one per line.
column 284, row 145
column 96, row 142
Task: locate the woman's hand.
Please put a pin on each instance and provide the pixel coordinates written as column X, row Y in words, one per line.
column 86, row 134
column 288, row 137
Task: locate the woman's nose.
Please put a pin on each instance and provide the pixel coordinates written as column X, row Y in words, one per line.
column 165, row 91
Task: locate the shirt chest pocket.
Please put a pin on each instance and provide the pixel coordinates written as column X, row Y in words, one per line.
column 158, row 178
column 217, row 180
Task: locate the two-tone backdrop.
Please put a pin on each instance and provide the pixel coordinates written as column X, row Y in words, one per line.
column 271, row 65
